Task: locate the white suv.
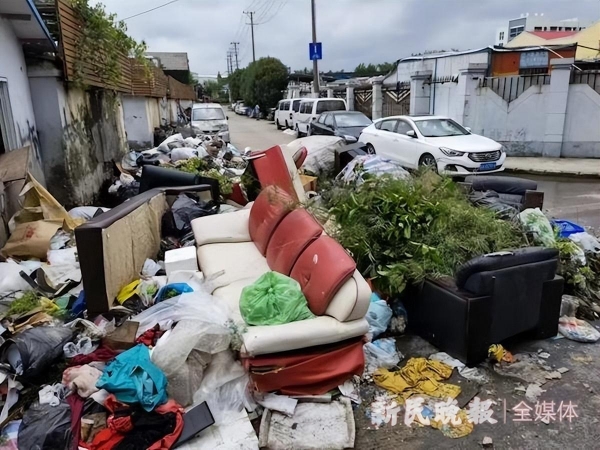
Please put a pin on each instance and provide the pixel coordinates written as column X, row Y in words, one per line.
column 311, row 108
column 209, row 118
column 284, row 113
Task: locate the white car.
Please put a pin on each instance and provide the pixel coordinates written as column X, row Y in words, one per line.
column 209, row 118
column 435, row 141
column 311, row 108
column 284, row 113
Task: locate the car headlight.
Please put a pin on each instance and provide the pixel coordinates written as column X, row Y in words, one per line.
column 349, row 138
column 452, row 153
column 224, row 128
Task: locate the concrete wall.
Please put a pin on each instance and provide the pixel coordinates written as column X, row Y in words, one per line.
column 582, row 123
column 81, row 133
column 138, row 121
column 14, row 71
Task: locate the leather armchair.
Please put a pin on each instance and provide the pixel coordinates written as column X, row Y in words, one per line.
column 493, row 297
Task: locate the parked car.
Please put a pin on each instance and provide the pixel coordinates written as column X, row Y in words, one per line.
column 345, row 124
column 310, row 108
column 284, row 113
column 241, row 109
column 209, row 118
column 434, row 141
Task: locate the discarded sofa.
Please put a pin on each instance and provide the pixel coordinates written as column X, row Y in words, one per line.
column 272, row 234
column 492, row 298
column 112, row 247
column 519, row 193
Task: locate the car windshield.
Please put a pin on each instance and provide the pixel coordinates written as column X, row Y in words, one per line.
column 208, row 114
column 440, row 128
column 352, row 120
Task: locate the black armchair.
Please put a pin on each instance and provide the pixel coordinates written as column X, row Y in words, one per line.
column 494, row 297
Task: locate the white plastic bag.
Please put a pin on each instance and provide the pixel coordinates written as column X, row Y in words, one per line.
column 586, row 241
column 184, row 354
column 577, row 330
column 86, row 212
column 150, row 268
column 83, row 346
column 535, row 221
column 381, row 354
column 10, row 280
column 183, row 153
column 378, row 315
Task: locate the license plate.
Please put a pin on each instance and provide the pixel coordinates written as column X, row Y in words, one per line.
column 487, row 166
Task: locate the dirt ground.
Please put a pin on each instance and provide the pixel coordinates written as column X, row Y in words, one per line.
column 580, row 385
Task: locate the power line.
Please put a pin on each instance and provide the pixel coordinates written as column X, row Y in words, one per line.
column 149, row 10
column 279, row 8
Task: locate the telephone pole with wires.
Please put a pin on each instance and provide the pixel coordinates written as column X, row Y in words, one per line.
column 235, row 51
column 251, row 15
column 316, row 87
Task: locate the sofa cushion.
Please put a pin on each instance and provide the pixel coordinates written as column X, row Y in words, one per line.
column 321, row 270
column 270, row 207
column 230, row 296
column 295, row 232
column 221, row 228
column 352, row 300
column 239, row 261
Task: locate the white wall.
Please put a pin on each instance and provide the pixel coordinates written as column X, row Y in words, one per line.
column 12, row 67
column 137, row 122
column 582, row 123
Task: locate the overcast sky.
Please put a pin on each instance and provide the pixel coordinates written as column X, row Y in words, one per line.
column 352, row 31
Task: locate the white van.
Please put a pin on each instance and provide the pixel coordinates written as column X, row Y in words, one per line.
column 311, row 108
column 284, row 113
column 209, row 118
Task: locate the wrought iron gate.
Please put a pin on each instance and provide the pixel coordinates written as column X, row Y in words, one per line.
column 396, row 101
column 363, row 101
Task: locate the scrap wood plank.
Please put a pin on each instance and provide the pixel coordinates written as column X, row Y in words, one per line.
column 14, row 165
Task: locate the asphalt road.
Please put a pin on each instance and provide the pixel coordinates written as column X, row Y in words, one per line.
column 572, row 198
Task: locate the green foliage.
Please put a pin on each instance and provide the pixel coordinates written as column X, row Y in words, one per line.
column 263, row 82
column 370, row 70
column 103, row 42
column 235, row 81
column 401, row 231
column 26, row 303
column 202, row 167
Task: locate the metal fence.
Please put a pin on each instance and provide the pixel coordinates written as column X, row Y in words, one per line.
column 589, row 77
column 396, row 101
column 363, row 101
column 509, row 88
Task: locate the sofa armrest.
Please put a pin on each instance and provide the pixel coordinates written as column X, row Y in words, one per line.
column 321, row 330
column 222, row 228
column 532, row 199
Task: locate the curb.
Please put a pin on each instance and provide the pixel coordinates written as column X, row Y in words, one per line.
column 589, row 175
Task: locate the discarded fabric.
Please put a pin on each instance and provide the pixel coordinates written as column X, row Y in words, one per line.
column 577, row 330
column 133, row 378
column 82, row 379
column 381, row 353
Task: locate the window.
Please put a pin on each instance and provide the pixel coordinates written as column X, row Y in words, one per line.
column 388, row 125
column 286, row 106
column 281, row 108
column 545, row 28
column 306, row 108
column 321, row 118
column 403, row 127
column 296, row 105
column 352, row 120
column 553, row 28
column 329, row 120
column 537, row 29
column 8, row 137
column 501, row 36
column 330, row 105
column 207, row 114
column 440, row 128
column 515, row 31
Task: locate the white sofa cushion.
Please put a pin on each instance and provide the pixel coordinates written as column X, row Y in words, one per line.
column 351, row 302
column 230, row 295
column 222, row 228
column 262, row 340
column 239, row 260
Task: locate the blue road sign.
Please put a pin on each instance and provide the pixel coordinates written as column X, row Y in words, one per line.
column 315, row 51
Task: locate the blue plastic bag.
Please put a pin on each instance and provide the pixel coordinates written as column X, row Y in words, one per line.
column 179, row 288
column 133, row 378
column 378, row 315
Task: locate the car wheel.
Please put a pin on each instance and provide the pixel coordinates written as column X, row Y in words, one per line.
column 286, row 125
column 309, row 131
column 428, row 160
column 277, row 124
column 298, row 134
column 370, row 150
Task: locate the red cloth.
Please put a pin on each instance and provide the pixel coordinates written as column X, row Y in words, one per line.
column 100, row 354
column 149, row 337
column 119, row 426
column 76, row 403
column 312, row 371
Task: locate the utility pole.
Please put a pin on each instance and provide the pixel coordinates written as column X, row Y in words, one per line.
column 229, row 63
column 235, row 50
column 314, row 39
column 251, row 15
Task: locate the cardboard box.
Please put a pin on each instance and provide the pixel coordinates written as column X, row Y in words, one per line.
column 308, row 183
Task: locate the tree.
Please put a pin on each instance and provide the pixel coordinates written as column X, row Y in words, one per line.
column 264, row 82
column 235, row 81
column 371, row 70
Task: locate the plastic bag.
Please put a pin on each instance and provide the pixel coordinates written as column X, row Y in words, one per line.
column 272, row 300
column 568, row 306
column 10, row 280
column 185, row 209
column 46, row 427
column 586, row 241
column 577, row 330
column 30, row 352
column 536, row 222
column 133, row 378
column 185, row 352
column 183, row 153
column 374, row 165
column 172, row 290
column 150, row 268
column 86, row 212
column 378, row 315
column 197, row 305
column 83, row 346
column 400, row 317
column 381, row 354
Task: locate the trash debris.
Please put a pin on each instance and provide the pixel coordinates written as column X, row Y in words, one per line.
column 351, row 389
column 273, row 299
column 378, row 315
column 381, row 353
column 536, row 222
column 370, row 165
column 577, row 330
column 313, row 426
column 487, row 442
column 533, row 392
column 52, row 394
column 399, row 319
column 569, row 305
column 562, row 370
column 280, row 403
column 418, row 376
column 475, row 374
column 82, row 379
column 525, row 367
column 46, row 426
column 498, row 353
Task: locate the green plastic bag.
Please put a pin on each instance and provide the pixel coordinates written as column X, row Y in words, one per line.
column 274, row 299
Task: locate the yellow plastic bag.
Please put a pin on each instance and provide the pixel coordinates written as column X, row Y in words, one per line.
column 129, row 291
